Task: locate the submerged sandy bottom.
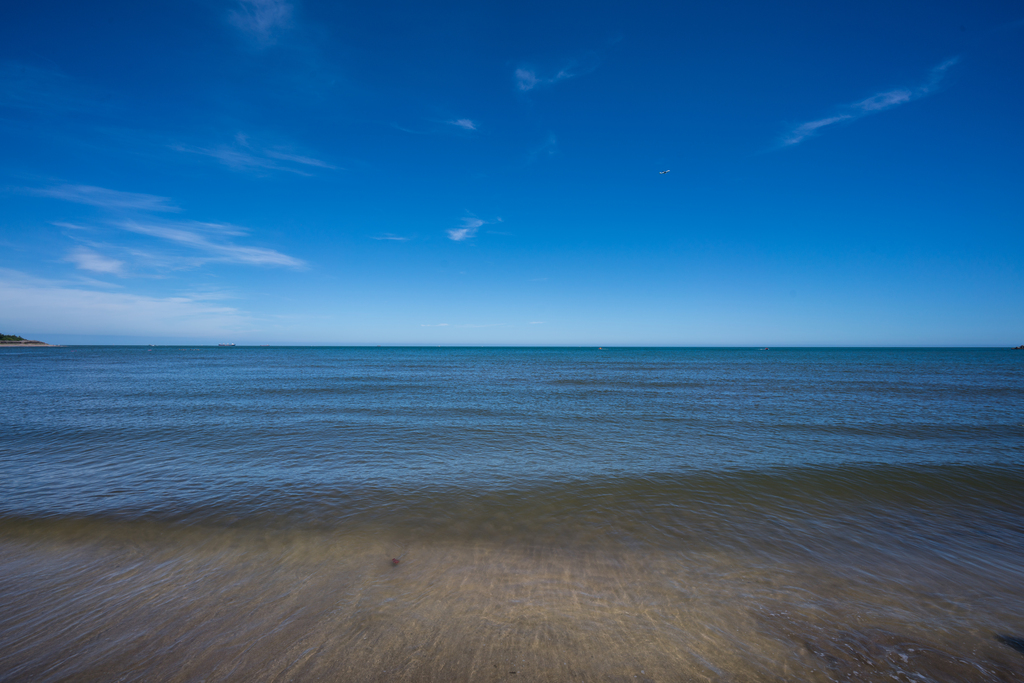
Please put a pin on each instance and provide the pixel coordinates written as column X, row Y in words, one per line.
column 196, row 605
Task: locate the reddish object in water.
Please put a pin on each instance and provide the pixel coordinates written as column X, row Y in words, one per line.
column 394, row 560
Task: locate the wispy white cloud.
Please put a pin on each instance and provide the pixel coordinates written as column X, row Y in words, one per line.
column 299, row 159
column 437, row 126
column 93, row 282
column 807, row 129
column 88, row 259
column 393, row 238
column 262, row 19
column 244, row 156
column 241, row 160
column 34, row 303
column 884, row 100
column 465, row 124
column 876, row 103
column 210, row 295
column 528, row 78
column 461, row 234
column 237, row 159
column 70, row 226
column 468, row 230
column 490, row 325
column 107, row 199
column 209, row 239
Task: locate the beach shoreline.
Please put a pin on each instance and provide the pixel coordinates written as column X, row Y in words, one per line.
column 19, row 345
column 329, row 605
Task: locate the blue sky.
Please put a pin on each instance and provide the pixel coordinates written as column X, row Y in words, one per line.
column 290, row 171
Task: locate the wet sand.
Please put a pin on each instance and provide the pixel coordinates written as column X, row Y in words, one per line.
column 147, row 603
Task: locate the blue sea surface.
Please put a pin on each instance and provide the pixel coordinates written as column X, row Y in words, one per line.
column 169, row 431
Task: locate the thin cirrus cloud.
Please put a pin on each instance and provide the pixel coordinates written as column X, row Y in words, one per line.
column 209, row 239
column 876, row 103
column 465, row 124
column 392, row 238
column 241, row 160
column 467, row 231
column 431, row 126
column 88, row 259
column 528, row 78
column 86, row 311
column 107, row 199
column 298, row 159
column 244, row 156
column 262, row 19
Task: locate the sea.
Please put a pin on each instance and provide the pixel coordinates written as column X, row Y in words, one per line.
column 197, row 513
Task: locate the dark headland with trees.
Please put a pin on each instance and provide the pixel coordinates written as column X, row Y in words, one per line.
column 15, row 340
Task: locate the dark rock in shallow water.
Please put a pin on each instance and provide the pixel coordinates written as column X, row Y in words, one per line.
column 1016, row 643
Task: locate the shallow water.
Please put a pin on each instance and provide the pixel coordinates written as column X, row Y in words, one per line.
column 190, row 513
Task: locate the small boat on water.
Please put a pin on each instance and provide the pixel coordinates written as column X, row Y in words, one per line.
column 225, row 344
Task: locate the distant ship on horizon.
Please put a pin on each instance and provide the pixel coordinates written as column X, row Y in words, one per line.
column 225, row 344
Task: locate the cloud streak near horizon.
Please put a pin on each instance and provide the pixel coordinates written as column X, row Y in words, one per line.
column 85, row 258
column 874, row 104
column 204, row 237
column 208, row 238
column 99, row 312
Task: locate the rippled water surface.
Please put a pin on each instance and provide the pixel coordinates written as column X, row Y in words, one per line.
column 193, row 514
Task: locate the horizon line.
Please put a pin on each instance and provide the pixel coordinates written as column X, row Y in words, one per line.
column 509, row 346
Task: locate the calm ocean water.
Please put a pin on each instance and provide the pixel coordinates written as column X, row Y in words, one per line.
column 197, row 513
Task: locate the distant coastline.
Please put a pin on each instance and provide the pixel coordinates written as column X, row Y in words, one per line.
column 27, row 342
column 13, row 340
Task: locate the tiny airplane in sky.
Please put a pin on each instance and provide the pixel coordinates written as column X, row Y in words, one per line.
column 664, row 172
